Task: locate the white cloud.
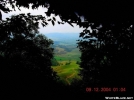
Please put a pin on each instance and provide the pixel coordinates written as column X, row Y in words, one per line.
column 62, row 28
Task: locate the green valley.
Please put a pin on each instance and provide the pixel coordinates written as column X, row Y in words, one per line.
column 65, row 62
column 67, row 67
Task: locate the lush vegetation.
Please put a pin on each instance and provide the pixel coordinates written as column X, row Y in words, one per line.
column 109, row 56
column 25, row 57
column 65, row 61
column 67, row 71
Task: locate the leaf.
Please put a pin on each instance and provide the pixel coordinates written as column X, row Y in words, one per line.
column 86, row 37
column 54, row 19
column 53, row 22
column 47, row 13
column 19, row 8
column 70, row 23
column 49, row 20
column 58, row 22
column 81, row 34
column 22, row 14
column 46, row 23
column 7, row 18
column 28, row 14
column 43, row 24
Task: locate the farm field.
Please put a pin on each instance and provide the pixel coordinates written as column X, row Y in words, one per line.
column 67, row 68
column 67, row 72
column 66, row 56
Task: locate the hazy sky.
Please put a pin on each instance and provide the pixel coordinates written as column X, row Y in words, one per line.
column 62, row 28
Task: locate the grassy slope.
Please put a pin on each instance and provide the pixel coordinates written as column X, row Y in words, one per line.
column 68, row 72
column 73, row 55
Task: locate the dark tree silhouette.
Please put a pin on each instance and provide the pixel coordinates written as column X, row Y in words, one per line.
column 106, row 60
column 93, row 11
column 25, row 58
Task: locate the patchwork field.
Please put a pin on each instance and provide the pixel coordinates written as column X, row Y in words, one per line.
column 67, row 72
column 66, row 56
column 67, row 68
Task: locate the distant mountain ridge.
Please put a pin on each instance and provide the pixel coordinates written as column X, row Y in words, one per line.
column 64, row 37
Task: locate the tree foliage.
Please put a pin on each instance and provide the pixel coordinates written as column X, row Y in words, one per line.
column 94, row 11
column 55, row 62
column 107, row 50
column 25, row 57
column 107, row 58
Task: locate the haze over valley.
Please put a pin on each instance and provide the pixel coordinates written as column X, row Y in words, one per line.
column 66, row 56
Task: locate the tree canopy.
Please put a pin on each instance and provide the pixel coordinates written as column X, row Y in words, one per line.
column 106, row 50
column 93, row 11
column 25, row 57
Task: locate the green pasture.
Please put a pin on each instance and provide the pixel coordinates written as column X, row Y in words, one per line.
column 67, row 69
column 67, row 72
column 73, row 55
